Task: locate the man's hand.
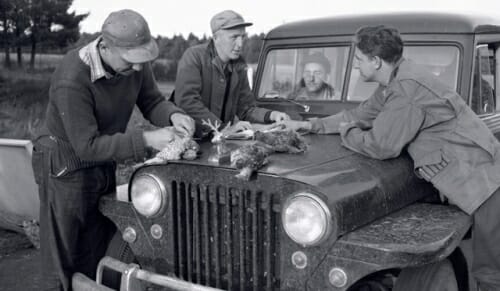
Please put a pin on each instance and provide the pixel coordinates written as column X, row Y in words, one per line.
column 160, row 138
column 267, row 127
column 183, row 123
column 278, row 116
column 297, row 125
column 238, row 126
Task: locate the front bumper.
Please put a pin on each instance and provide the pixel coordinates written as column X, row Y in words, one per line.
column 132, row 278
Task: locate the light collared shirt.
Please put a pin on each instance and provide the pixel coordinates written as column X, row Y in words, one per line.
column 89, row 54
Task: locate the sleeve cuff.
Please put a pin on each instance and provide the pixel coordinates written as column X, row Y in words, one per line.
column 316, row 125
column 172, row 112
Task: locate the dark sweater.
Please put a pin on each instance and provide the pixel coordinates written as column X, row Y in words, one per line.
column 89, row 120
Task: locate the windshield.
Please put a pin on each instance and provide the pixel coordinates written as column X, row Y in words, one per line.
column 317, row 74
column 305, row 73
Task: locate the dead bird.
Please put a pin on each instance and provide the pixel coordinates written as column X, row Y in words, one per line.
column 182, row 147
column 283, row 141
column 249, row 158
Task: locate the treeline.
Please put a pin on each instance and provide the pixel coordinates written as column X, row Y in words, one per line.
column 45, row 26
column 171, row 50
column 31, row 24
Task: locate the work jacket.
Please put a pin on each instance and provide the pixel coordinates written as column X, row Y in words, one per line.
column 201, row 83
column 418, row 112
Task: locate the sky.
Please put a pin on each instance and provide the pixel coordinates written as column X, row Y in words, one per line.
column 174, row 17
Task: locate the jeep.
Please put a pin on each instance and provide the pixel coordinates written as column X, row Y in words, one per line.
column 328, row 219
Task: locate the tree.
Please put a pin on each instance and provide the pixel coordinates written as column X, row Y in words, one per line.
column 19, row 22
column 5, row 27
column 251, row 49
column 50, row 21
column 84, row 39
column 32, row 22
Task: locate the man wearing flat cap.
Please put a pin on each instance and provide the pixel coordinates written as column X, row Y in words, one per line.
column 92, row 95
column 212, row 82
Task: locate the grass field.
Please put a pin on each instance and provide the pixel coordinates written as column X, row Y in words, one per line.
column 42, row 61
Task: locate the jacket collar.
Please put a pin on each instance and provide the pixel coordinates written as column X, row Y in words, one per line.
column 89, row 54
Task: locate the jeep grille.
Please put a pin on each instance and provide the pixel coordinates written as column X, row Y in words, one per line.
column 226, row 237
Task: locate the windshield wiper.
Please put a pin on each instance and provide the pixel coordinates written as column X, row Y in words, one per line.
column 276, row 95
column 304, row 106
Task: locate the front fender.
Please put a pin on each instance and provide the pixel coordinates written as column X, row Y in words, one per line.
column 124, row 216
column 416, row 235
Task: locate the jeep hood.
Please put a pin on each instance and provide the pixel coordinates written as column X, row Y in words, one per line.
column 324, row 160
column 321, row 150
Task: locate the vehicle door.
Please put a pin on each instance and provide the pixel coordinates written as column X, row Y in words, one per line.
column 484, row 97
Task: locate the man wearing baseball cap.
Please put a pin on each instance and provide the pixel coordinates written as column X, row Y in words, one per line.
column 212, row 82
column 92, row 95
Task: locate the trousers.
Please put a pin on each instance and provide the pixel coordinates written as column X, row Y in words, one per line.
column 73, row 233
column 486, row 244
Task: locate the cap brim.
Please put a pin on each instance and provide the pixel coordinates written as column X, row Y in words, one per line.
column 141, row 54
column 235, row 25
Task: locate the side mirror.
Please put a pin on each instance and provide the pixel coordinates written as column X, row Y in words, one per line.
column 250, row 77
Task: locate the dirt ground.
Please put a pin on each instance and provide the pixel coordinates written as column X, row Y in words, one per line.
column 19, row 263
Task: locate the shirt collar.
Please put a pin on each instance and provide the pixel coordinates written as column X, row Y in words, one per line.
column 89, row 54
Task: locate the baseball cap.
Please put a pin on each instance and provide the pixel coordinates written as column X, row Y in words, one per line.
column 227, row 19
column 128, row 32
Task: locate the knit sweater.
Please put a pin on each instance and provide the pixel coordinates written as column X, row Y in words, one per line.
column 89, row 119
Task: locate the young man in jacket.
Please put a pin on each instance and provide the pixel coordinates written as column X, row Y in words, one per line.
column 211, row 82
column 450, row 146
column 92, row 95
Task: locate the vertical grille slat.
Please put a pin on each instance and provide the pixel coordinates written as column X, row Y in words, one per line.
column 241, row 232
column 226, row 236
column 215, row 220
column 197, row 233
column 267, row 209
column 180, row 226
column 255, row 263
column 228, row 240
column 189, row 232
column 206, row 238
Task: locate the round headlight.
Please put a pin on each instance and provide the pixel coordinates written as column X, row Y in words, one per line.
column 306, row 219
column 148, row 195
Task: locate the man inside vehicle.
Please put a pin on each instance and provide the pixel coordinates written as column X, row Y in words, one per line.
column 313, row 85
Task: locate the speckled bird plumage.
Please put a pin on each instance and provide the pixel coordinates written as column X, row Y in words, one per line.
column 249, row 158
column 287, row 141
column 185, row 148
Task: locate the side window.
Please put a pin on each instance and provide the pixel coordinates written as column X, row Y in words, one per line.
column 310, row 74
column 484, row 97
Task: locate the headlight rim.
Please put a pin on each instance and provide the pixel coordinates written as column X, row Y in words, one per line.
column 163, row 194
column 323, row 206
